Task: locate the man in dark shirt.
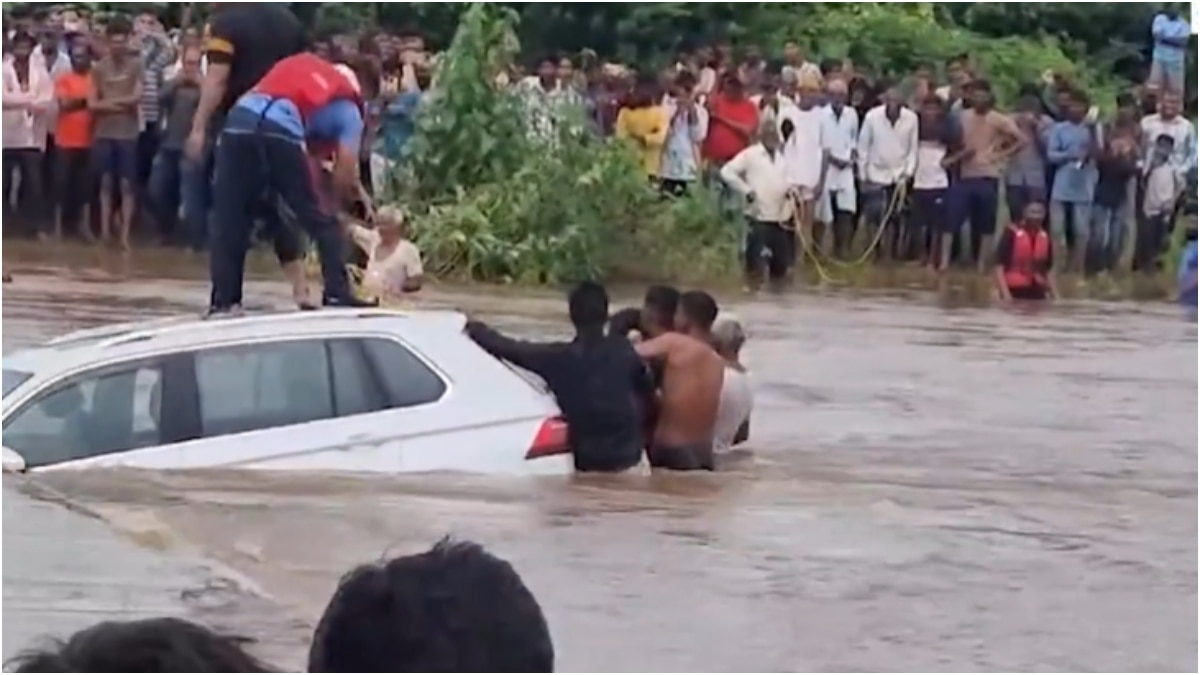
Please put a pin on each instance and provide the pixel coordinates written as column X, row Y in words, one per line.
column 242, row 43
column 598, row 380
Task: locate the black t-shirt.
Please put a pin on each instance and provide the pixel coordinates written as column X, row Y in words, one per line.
column 252, row 38
column 1113, row 184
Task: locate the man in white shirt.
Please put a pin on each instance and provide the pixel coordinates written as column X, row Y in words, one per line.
column 28, row 98
column 737, row 394
column 802, row 130
column 759, row 174
column 887, row 159
column 839, row 203
column 1169, row 122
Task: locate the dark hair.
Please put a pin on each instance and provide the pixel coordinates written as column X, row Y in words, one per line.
column 932, row 99
column 1079, row 96
column 1126, row 100
column 587, row 304
column 23, row 36
column 453, row 609
column 685, row 79
column 699, row 307
column 1029, row 89
column 165, row 645
column 662, row 299
column 119, row 25
column 981, row 84
column 625, row 322
column 548, row 57
column 830, row 65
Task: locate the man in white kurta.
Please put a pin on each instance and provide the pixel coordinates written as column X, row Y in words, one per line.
column 805, row 162
column 839, row 203
column 887, row 159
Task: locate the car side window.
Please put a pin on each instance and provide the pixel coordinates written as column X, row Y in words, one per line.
column 261, row 386
column 355, row 388
column 406, row 380
column 114, row 411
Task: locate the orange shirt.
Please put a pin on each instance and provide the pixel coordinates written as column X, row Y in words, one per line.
column 74, row 129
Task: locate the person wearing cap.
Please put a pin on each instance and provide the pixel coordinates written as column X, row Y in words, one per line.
column 262, row 164
column 737, row 395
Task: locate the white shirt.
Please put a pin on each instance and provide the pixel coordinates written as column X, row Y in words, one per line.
column 770, row 113
column 387, row 272
column 754, row 170
column 805, row 149
column 886, row 151
column 737, row 402
column 172, row 70
column 1162, row 187
column 24, row 127
column 1179, row 129
column 930, row 174
column 841, row 140
column 61, row 65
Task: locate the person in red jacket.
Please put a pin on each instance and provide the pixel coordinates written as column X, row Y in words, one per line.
column 1025, row 258
column 262, row 154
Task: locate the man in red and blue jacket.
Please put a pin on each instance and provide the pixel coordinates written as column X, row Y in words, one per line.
column 263, row 152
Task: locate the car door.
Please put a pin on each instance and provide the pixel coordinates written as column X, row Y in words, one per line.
column 311, row 403
column 98, row 416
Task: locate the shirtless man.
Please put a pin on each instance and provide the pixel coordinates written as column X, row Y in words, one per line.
column 691, row 387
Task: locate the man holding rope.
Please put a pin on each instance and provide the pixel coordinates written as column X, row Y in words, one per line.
column 758, row 173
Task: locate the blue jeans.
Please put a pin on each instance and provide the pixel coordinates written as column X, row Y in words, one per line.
column 165, row 189
column 1169, row 76
column 198, row 198
column 1110, row 228
column 1081, row 225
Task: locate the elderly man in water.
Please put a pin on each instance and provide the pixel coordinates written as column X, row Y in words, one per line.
column 737, row 395
column 691, row 387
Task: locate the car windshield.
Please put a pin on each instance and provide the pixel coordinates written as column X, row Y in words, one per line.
column 13, row 379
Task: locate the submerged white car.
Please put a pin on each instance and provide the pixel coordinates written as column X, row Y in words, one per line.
column 332, row 390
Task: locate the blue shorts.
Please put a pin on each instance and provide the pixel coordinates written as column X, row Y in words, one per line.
column 118, row 158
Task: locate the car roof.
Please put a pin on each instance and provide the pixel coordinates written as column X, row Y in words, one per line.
column 117, row 342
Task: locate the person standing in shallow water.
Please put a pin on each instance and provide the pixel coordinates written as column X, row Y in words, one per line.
column 691, row 387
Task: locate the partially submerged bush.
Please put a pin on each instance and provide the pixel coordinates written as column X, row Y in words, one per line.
column 492, row 203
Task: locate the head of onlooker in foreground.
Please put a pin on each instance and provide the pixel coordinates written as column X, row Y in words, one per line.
column 454, row 608
column 165, row 645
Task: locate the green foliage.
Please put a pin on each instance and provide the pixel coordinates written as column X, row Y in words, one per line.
column 492, row 203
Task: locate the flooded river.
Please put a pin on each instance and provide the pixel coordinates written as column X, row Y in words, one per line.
column 929, row 489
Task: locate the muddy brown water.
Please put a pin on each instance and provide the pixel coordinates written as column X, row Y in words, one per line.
column 927, row 489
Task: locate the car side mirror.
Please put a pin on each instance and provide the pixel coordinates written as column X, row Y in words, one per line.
column 13, row 461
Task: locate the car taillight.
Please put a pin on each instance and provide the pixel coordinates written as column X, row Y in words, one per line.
column 550, row 440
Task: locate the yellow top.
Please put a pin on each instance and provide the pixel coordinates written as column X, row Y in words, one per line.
column 647, row 128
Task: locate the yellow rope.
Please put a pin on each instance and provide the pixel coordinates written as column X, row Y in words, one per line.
column 813, row 253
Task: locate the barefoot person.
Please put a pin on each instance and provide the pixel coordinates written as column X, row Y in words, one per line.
column 691, row 387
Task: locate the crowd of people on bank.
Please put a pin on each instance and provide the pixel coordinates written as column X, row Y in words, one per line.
column 816, row 153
